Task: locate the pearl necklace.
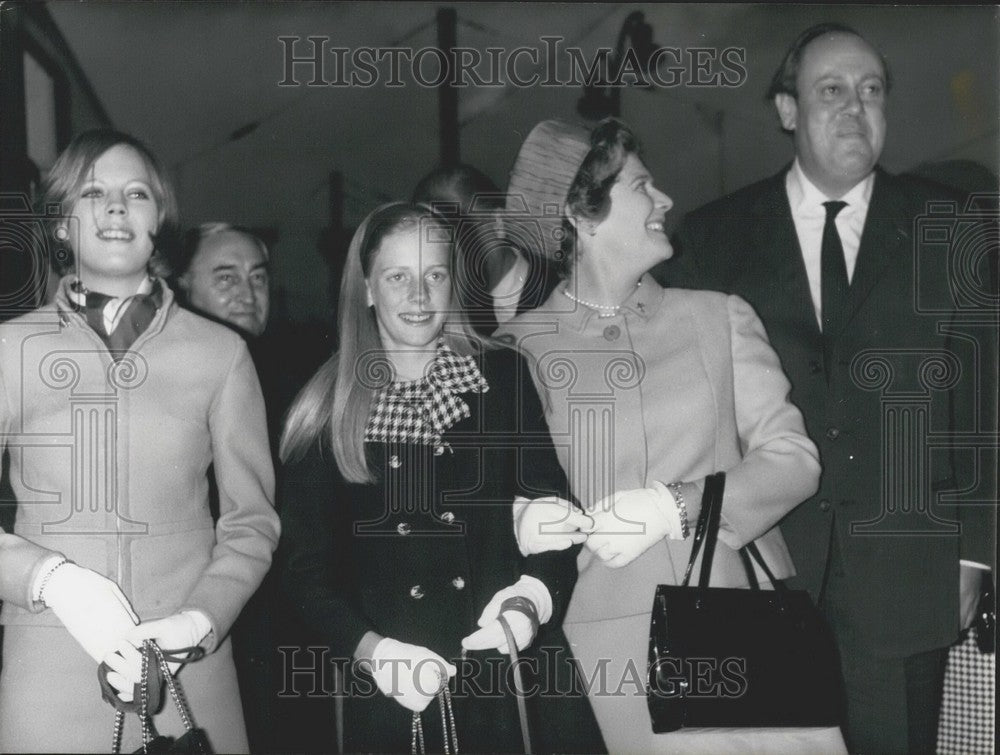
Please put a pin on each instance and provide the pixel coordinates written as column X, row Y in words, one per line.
column 603, row 310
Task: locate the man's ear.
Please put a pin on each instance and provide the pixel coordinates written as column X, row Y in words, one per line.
column 788, row 110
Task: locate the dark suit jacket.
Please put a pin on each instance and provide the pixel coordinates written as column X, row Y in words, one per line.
column 897, row 386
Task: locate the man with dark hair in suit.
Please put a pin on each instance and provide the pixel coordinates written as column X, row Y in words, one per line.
column 827, row 253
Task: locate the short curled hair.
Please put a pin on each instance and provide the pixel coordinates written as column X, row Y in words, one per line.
column 69, row 172
column 589, row 196
column 784, row 79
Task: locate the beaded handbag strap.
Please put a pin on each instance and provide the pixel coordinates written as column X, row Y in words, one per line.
column 150, row 650
column 417, row 746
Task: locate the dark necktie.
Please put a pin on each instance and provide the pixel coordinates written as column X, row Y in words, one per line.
column 833, row 280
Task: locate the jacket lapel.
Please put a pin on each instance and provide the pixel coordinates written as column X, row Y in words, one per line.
column 777, row 244
column 885, row 235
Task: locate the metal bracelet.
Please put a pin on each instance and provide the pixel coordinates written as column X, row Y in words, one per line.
column 675, row 489
column 47, row 577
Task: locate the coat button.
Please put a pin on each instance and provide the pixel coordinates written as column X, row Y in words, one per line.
column 824, row 505
column 612, row 332
column 394, row 462
column 815, row 367
column 403, row 528
column 447, row 517
column 833, row 433
column 416, row 592
column 459, row 583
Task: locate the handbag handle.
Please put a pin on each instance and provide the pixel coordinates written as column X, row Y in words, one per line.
column 154, row 672
column 707, row 533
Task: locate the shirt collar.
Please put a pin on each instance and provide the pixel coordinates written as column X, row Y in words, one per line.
column 804, row 196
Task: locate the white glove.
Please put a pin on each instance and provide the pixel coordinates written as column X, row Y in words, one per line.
column 548, row 524
column 126, row 669
column 628, row 522
column 410, row 674
column 181, row 630
column 492, row 635
column 91, row 607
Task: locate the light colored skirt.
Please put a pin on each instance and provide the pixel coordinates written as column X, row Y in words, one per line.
column 50, row 698
column 613, row 655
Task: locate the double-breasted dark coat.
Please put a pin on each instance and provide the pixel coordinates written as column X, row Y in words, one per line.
column 418, row 555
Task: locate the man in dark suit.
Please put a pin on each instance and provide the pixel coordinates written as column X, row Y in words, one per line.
column 872, row 337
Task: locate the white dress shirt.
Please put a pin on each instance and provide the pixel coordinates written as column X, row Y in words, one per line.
column 809, row 215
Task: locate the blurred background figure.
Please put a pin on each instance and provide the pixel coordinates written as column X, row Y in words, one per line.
column 496, row 276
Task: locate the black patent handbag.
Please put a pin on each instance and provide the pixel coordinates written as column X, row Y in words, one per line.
column 727, row 657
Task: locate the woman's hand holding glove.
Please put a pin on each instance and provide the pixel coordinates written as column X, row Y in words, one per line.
column 548, row 524
column 629, row 522
column 492, row 635
column 410, row 674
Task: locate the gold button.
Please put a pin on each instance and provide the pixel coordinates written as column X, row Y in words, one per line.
column 459, row 583
column 447, row 517
column 416, row 592
column 394, row 462
column 612, row 332
column 403, row 528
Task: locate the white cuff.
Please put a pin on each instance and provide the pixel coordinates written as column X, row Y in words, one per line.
column 201, row 623
column 667, row 505
column 518, row 508
column 974, row 565
column 44, row 570
column 535, row 590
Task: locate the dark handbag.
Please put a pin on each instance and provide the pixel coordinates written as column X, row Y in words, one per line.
column 738, row 657
column 146, row 700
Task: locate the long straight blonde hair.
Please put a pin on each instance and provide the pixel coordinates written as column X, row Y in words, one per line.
column 336, row 403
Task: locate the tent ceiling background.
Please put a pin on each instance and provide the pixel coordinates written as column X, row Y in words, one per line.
column 186, row 76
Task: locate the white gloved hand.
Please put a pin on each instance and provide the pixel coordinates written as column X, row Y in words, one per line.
column 181, row 630
column 125, row 663
column 628, row 522
column 410, row 674
column 91, row 607
column 548, row 524
column 491, row 635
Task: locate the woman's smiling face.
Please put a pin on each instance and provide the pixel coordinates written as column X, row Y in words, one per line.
column 410, row 287
column 634, row 226
column 117, row 215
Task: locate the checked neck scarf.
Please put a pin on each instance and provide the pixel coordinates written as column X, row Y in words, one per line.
column 419, row 411
column 118, row 322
